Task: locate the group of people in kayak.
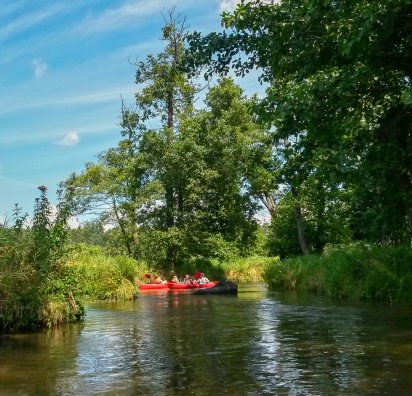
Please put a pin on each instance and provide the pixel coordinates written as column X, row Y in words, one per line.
column 198, row 278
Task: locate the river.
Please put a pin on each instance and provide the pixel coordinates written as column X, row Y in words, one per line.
column 255, row 343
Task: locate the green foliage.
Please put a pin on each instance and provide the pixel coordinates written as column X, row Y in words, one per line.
column 103, row 277
column 34, row 283
column 338, row 104
column 90, row 232
column 352, row 271
column 184, row 194
column 326, row 222
column 283, row 238
column 217, row 247
column 248, row 269
column 237, row 269
column 153, row 246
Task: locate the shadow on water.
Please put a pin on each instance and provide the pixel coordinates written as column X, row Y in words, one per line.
column 33, row 363
column 256, row 343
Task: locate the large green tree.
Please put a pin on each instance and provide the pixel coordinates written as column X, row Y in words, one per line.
column 165, row 94
column 138, row 182
column 216, row 142
column 340, row 87
column 176, row 184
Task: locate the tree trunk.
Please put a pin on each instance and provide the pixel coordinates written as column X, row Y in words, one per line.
column 409, row 216
column 301, row 231
column 299, row 225
column 170, row 189
column 171, row 254
column 269, row 202
column 122, row 229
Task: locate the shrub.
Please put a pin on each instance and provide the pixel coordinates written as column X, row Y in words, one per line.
column 248, row 269
column 352, row 271
column 34, row 283
column 105, row 277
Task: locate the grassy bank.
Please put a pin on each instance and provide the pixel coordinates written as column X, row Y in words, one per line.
column 353, row 272
column 102, row 277
column 240, row 270
column 36, row 293
column 36, row 288
column 33, row 297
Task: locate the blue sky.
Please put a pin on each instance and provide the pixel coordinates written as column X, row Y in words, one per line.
column 64, row 66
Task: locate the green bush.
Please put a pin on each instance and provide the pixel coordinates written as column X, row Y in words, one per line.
column 353, row 271
column 240, row 270
column 34, row 282
column 248, row 269
column 104, row 277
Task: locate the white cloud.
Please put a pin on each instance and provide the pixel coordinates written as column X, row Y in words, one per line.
column 228, row 5
column 40, row 134
column 11, row 181
column 71, row 98
column 70, row 139
column 8, row 9
column 39, row 68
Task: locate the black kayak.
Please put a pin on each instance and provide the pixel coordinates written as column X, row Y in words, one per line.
column 222, row 287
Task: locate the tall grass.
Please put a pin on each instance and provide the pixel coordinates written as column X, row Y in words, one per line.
column 34, row 284
column 102, row 277
column 240, row 270
column 248, row 269
column 354, row 272
column 31, row 295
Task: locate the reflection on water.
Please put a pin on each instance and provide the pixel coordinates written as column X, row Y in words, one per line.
column 258, row 343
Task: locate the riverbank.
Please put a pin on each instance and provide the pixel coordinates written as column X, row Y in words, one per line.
column 102, row 277
column 354, row 272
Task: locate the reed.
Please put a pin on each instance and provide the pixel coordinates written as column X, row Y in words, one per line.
column 248, row 269
column 355, row 272
column 34, row 282
column 55, row 311
column 102, row 277
column 240, row 270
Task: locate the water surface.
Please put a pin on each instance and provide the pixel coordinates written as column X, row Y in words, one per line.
column 257, row 343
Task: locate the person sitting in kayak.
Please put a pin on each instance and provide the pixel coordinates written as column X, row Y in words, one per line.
column 203, row 280
column 197, row 276
column 187, row 280
column 175, row 279
column 158, row 280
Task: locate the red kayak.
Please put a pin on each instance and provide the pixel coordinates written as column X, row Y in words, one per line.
column 186, row 286
column 153, row 286
column 174, row 286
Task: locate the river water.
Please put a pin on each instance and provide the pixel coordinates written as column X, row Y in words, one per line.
column 255, row 343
